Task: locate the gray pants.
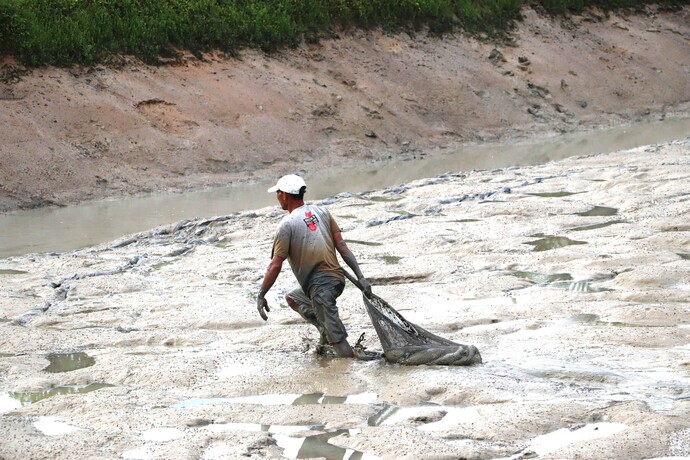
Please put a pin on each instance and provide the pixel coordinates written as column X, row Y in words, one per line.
column 320, row 309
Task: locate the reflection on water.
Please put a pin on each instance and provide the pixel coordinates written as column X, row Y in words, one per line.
column 386, row 412
column 273, row 399
column 582, row 286
column 596, row 226
column 553, row 194
column 72, row 227
column 366, row 243
column 26, row 398
column 549, row 443
column 317, row 446
column 543, row 278
column 594, row 320
column 599, row 211
column 553, row 242
column 66, row 362
column 9, row 271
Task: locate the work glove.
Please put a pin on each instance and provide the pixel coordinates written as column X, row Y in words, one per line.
column 366, row 287
column 261, row 305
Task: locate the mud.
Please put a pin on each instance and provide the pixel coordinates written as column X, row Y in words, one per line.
column 185, row 367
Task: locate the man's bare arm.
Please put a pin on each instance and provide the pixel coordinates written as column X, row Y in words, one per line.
column 269, row 278
column 351, row 261
column 274, row 268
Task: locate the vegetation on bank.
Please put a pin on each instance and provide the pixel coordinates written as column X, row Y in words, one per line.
column 66, row 32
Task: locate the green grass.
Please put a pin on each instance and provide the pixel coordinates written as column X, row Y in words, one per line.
column 67, row 32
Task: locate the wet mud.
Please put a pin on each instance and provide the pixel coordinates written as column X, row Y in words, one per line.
column 150, row 347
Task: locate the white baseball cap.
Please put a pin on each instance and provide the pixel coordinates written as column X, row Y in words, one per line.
column 291, row 184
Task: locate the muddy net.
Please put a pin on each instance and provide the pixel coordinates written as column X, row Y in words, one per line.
column 406, row 343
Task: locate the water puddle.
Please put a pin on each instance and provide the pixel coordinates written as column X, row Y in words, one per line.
column 7, row 403
column 15, row 400
column 562, row 281
column 598, row 211
column 554, row 194
column 543, row 278
column 366, row 243
column 26, row 398
column 257, row 427
column 7, row 355
column 162, row 434
column 317, row 446
column 440, row 419
column 66, row 362
column 392, row 260
column 428, row 417
column 549, row 443
column 54, row 426
column 160, row 265
column 314, row 446
column 596, row 226
column 283, row 399
column 553, row 242
column 362, row 203
column 594, row 320
column 582, row 286
column 9, row 271
column 676, row 228
column 385, row 199
column 585, row 318
column 684, row 255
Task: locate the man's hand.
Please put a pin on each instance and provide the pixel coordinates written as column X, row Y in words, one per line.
column 261, row 305
column 366, row 287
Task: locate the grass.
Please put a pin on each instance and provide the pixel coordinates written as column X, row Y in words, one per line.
column 68, row 32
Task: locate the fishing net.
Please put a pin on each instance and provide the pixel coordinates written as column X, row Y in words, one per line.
column 407, row 343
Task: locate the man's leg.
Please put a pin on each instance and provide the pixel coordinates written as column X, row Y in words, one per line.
column 323, row 297
column 299, row 302
column 343, row 349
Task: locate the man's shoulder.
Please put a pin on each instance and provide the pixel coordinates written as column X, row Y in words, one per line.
column 319, row 209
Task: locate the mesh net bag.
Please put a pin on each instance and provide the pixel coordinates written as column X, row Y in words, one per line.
column 409, row 344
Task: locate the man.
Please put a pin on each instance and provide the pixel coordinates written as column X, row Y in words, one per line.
column 308, row 238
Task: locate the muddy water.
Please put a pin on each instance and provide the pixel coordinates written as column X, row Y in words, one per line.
column 64, row 229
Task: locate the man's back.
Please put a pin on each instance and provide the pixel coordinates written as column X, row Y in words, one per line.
column 305, row 238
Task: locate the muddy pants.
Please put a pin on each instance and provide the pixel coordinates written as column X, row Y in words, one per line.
column 320, row 309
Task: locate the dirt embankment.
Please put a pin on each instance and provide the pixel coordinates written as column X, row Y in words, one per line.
column 70, row 135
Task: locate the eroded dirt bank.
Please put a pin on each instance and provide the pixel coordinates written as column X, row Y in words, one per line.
column 571, row 278
column 84, row 134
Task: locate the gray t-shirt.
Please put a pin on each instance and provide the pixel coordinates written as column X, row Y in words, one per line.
column 305, row 239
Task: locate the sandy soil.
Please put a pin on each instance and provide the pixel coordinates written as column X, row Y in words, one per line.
column 92, row 133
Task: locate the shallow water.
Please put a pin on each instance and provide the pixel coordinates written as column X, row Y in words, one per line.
column 66, row 362
column 26, row 398
column 73, row 227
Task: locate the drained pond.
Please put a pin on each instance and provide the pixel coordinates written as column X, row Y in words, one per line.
column 149, row 345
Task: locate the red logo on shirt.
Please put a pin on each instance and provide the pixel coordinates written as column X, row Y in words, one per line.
column 310, row 220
